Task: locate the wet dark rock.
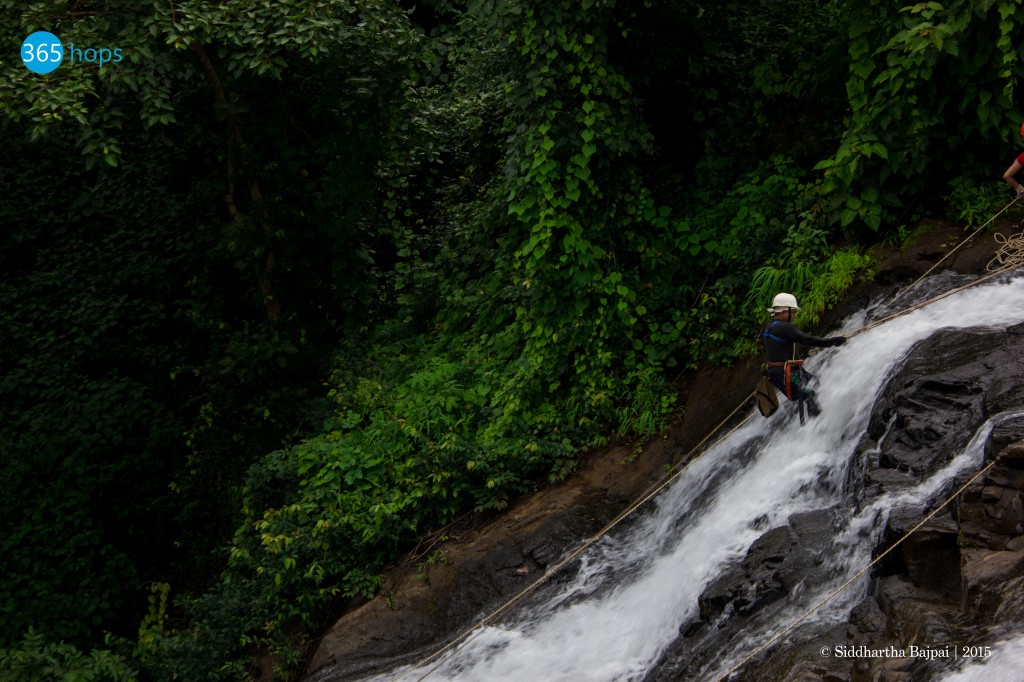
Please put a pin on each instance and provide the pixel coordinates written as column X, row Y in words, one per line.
column 878, row 480
column 754, row 582
column 950, row 385
column 993, row 584
column 868, row 618
column 991, row 510
column 929, row 556
column 955, row 579
column 775, row 564
column 801, row 661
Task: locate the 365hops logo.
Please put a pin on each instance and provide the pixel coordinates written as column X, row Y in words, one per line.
column 42, row 52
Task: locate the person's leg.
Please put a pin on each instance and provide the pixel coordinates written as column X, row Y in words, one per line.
column 798, row 380
column 813, row 409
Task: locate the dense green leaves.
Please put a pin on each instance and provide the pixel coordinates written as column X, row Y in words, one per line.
column 928, row 84
column 422, row 258
column 34, row 659
column 141, row 362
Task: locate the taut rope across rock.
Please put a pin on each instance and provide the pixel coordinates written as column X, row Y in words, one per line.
column 1014, row 258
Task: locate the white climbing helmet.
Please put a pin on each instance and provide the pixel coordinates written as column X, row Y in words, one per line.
column 784, row 302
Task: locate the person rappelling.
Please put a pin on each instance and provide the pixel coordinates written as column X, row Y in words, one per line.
column 783, row 368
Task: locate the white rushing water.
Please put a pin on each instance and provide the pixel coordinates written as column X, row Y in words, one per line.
column 634, row 589
column 1001, row 661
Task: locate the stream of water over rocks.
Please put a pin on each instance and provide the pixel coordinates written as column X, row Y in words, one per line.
column 778, row 516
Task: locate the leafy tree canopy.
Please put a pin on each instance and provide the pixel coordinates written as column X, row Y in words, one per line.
column 297, row 282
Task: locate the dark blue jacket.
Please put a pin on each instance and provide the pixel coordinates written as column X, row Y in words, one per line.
column 779, row 338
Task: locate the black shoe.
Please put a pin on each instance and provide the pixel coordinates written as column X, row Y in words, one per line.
column 813, row 409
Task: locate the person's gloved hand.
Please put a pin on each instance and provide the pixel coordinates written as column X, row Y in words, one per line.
column 1020, row 190
column 837, row 340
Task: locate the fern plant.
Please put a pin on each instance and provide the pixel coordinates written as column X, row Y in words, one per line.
column 974, row 204
column 842, row 270
column 769, row 280
column 816, row 286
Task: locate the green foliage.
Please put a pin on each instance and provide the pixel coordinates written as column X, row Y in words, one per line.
column 421, row 266
column 842, row 270
column 155, row 622
column 810, row 270
column 140, row 361
column 804, row 249
column 437, row 557
column 925, row 82
column 769, row 280
column 35, row 659
column 652, row 402
column 85, row 403
column 975, row 204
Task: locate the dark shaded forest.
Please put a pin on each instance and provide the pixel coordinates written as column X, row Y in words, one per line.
column 294, row 283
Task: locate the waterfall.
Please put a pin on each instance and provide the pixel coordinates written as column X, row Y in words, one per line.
column 634, row 590
column 990, row 663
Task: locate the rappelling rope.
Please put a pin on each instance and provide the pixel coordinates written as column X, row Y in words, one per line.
column 907, row 311
column 465, row 637
column 789, row 628
column 470, row 633
column 918, row 306
column 955, row 248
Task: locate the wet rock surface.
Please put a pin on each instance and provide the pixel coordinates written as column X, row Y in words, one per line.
column 928, row 410
column 956, row 579
column 776, row 564
column 959, row 578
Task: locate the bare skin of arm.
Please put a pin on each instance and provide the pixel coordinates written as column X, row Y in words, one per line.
column 1009, row 177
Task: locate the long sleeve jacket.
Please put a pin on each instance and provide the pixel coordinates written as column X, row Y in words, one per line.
column 779, row 338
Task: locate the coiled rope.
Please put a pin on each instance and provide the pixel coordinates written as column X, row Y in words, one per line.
column 988, row 222
column 1010, row 253
column 473, row 631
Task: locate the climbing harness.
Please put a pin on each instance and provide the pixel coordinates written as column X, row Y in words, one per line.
column 793, row 374
column 475, row 630
column 788, row 366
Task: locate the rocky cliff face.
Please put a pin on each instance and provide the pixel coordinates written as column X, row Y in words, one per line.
column 957, row 580
column 466, row 571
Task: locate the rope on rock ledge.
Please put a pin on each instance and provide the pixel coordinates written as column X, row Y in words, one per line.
column 1010, row 253
column 1010, row 256
column 953, row 250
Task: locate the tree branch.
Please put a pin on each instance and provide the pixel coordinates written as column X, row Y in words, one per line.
column 236, row 149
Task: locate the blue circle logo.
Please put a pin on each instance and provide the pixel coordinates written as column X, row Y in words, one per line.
column 42, row 52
